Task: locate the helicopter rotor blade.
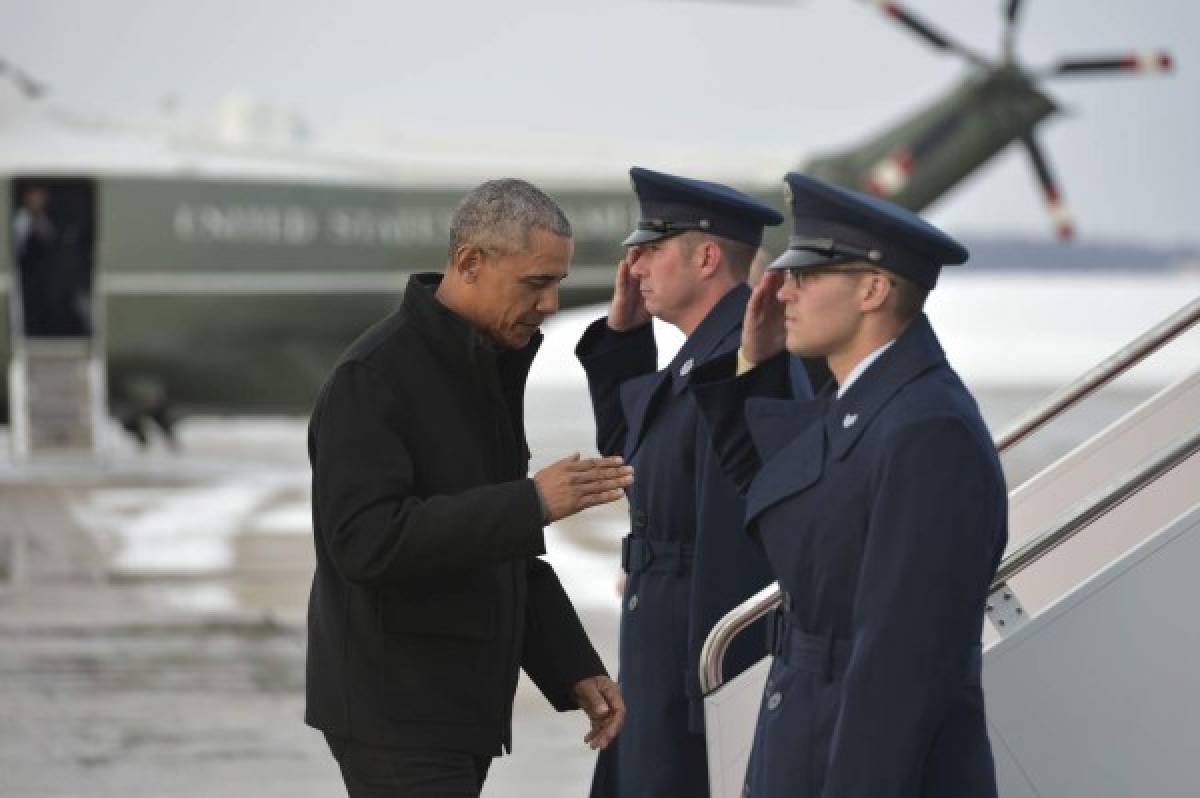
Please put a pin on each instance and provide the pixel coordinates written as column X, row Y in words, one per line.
column 1010, row 13
column 1150, row 62
column 1010, row 29
column 924, row 30
column 1063, row 222
column 27, row 85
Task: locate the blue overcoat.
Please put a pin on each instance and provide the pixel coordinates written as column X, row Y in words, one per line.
column 884, row 516
column 687, row 561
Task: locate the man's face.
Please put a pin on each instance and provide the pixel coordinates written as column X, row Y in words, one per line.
column 822, row 312
column 667, row 278
column 516, row 292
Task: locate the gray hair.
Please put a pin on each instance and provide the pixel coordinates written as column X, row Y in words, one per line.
column 500, row 214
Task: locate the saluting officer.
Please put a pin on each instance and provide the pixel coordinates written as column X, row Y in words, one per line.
column 687, row 562
column 880, row 505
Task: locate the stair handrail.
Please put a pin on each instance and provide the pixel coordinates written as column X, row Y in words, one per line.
column 1080, row 518
column 1103, row 373
column 712, row 653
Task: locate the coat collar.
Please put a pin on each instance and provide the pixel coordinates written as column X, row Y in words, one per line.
column 638, row 394
column 915, row 352
column 454, row 341
column 724, row 318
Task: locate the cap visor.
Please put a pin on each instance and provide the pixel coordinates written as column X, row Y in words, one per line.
column 642, row 237
column 803, row 259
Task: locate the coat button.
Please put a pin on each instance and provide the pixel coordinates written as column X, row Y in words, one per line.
column 633, row 602
column 774, row 701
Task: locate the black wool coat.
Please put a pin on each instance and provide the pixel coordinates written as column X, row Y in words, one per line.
column 429, row 593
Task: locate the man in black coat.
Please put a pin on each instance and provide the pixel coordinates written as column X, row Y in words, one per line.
column 429, row 593
column 880, row 505
column 687, row 562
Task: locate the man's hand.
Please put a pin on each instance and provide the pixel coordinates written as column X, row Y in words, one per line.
column 601, row 699
column 573, row 484
column 627, row 309
column 763, row 333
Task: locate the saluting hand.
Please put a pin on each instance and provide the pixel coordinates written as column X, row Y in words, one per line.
column 627, row 309
column 763, row 333
column 600, row 698
column 573, row 484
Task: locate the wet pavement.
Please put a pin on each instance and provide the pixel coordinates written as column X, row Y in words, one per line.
column 103, row 693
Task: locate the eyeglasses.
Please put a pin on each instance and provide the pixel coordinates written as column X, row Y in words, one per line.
column 803, row 276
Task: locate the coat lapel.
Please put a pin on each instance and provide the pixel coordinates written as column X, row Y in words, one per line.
column 714, row 336
column 915, row 352
column 795, row 467
column 638, row 397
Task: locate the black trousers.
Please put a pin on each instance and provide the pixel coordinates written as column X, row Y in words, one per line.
column 375, row 772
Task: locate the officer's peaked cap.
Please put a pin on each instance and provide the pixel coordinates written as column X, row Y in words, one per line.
column 836, row 225
column 671, row 205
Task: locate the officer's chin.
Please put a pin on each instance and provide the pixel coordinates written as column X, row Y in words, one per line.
column 801, row 348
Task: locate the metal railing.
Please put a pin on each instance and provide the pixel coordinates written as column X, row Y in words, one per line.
column 1061, row 532
column 712, row 654
column 1105, row 372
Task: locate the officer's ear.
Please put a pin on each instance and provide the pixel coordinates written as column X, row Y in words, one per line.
column 708, row 257
column 876, row 287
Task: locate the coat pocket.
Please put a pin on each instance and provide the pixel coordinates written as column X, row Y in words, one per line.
column 464, row 614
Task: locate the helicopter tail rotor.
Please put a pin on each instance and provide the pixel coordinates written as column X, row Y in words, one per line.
column 1063, row 222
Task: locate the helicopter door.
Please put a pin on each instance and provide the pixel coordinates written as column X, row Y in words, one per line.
column 56, row 375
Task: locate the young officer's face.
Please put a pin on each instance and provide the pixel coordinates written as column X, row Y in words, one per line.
column 666, row 276
column 822, row 310
column 517, row 291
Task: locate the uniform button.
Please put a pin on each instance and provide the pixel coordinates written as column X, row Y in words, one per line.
column 774, row 701
column 633, row 602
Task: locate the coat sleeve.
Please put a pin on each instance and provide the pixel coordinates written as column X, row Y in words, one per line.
column 610, row 358
column 929, row 556
column 376, row 528
column 557, row 653
column 722, row 397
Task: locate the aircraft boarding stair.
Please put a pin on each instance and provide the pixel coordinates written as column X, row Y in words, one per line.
column 1092, row 655
column 56, row 395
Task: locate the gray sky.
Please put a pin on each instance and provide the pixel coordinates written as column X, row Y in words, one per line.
column 811, row 77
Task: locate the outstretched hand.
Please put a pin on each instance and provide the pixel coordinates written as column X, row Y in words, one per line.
column 763, row 333
column 627, row 309
column 574, row 483
column 600, row 698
